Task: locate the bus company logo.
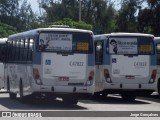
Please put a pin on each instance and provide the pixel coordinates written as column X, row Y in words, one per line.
column 114, row 60
column 75, row 63
column 48, row 62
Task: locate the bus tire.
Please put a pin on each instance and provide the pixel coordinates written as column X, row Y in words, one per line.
column 96, row 95
column 104, row 95
column 22, row 99
column 128, row 96
column 12, row 95
column 8, row 85
column 50, row 97
column 68, row 100
column 147, row 93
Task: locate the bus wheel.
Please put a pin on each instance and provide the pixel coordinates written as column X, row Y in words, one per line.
column 128, row 96
column 22, row 99
column 72, row 101
column 96, row 95
column 12, row 95
column 50, row 97
column 104, row 94
column 147, row 93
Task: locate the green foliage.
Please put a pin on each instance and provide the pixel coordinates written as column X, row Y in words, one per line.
column 100, row 16
column 98, row 13
column 73, row 24
column 21, row 17
column 126, row 19
column 35, row 25
column 9, row 12
column 149, row 18
column 6, row 30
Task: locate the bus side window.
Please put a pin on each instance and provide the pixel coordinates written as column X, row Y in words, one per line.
column 25, row 52
column 9, row 46
column 2, row 53
column 30, row 50
column 99, row 52
column 158, row 53
column 22, row 46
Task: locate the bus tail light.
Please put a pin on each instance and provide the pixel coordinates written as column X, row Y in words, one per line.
column 37, row 76
column 90, row 78
column 153, row 76
column 91, row 75
column 107, row 76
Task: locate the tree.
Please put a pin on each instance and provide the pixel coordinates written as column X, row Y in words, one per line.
column 28, row 19
column 149, row 18
column 6, row 30
column 8, row 11
column 72, row 24
column 98, row 13
column 126, row 18
column 11, row 14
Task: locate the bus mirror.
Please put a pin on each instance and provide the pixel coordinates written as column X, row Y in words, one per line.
column 158, row 48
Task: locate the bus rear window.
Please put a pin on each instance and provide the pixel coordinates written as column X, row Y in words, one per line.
column 131, row 45
column 145, row 45
column 65, row 42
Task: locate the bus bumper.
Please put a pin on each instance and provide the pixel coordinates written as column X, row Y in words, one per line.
column 152, row 86
column 79, row 91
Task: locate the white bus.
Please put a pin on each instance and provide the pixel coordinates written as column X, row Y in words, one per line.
column 125, row 64
column 52, row 62
column 2, row 46
column 157, row 46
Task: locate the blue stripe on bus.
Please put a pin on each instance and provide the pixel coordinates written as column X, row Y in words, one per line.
column 153, row 60
column 37, row 58
column 91, row 60
column 107, row 59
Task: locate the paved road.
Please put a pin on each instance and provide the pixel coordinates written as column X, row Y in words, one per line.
column 110, row 103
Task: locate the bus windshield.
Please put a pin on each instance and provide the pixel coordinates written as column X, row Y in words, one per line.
column 74, row 42
column 131, row 45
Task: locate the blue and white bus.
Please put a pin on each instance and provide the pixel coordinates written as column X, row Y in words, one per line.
column 125, row 64
column 2, row 47
column 53, row 62
column 157, row 46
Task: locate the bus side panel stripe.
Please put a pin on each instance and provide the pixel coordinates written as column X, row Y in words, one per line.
column 153, row 60
column 91, row 60
column 107, row 59
column 37, row 58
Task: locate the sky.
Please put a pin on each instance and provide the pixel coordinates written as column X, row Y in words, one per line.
column 34, row 5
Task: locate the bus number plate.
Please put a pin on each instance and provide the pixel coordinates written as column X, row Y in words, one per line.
column 63, row 78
